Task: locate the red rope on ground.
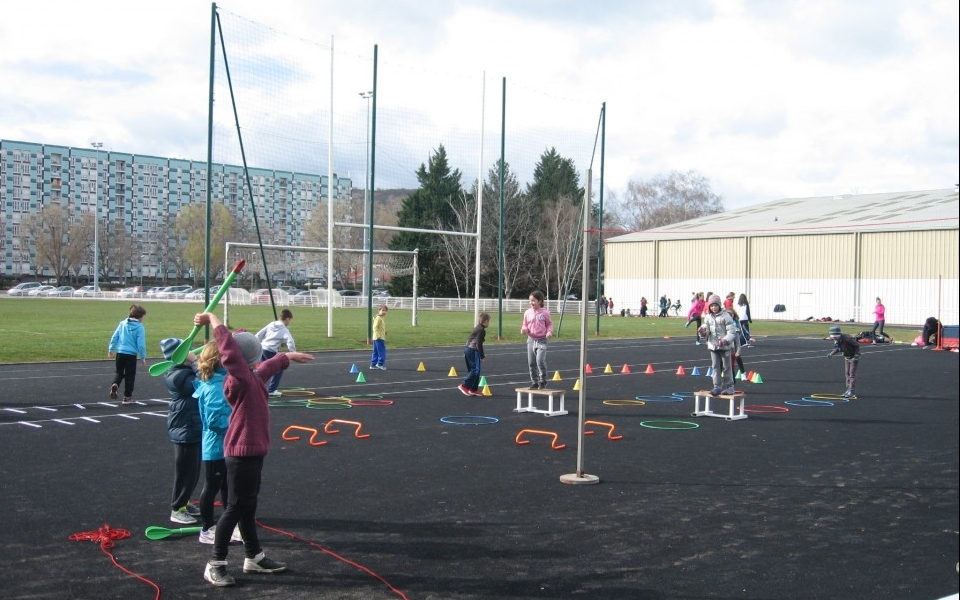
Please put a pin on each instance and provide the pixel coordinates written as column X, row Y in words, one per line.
column 336, row 556
column 105, row 536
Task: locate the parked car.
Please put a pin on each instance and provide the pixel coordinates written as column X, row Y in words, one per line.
column 349, row 292
column 199, row 294
column 303, row 298
column 152, row 292
column 22, row 289
column 63, row 291
column 88, row 291
column 380, row 293
column 41, row 291
column 171, row 292
column 262, row 296
column 131, row 292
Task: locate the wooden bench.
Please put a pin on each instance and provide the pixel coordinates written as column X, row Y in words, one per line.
column 734, row 408
column 550, row 394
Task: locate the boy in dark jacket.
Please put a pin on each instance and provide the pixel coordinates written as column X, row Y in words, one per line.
column 850, row 347
column 185, row 430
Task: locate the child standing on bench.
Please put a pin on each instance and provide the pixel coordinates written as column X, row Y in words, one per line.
column 538, row 327
column 720, row 331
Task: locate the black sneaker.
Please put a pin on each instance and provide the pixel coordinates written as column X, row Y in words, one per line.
column 543, row 385
column 262, row 564
column 534, row 385
column 216, row 573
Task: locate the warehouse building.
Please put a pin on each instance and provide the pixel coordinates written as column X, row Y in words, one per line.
column 803, row 258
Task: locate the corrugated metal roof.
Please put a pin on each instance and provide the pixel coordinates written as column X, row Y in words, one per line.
column 895, row 211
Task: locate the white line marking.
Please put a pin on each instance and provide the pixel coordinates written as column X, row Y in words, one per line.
column 30, row 424
column 64, row 421
column 92, row 420
column 45, row 408
column 16, row 410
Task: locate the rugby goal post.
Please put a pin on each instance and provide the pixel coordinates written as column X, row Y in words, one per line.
column 392, row 262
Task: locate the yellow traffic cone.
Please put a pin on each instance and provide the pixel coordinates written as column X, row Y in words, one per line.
column 576, row 386
column 486, row 391
column 556, row 376
column 422, row 367
column 609, row 369
column 452, row 373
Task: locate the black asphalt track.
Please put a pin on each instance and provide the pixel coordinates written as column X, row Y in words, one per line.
column 801, row 500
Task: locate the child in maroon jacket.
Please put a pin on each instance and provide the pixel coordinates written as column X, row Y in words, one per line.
column 246, row 444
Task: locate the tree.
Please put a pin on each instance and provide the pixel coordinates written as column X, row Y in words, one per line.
column 519, row 228
column 191, row 230
column 665, row 199
column 461, row 249
column 556, row 195
column 425, row 208
column 62, row 241
column 554, row 178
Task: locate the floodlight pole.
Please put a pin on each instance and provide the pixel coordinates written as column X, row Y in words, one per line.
column 367, row 276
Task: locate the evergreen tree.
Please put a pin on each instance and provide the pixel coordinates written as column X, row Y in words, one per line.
column 426, row 208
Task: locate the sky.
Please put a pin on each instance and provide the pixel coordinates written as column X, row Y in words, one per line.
column 767, row 99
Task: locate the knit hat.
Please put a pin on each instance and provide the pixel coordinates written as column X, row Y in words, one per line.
column 168, row 346
column 250, row 346
column 834, row 331
column 714, row 299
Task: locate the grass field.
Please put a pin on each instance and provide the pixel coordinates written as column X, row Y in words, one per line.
column 55, row 329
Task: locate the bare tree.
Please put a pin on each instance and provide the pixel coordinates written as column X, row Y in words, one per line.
column 665, row 199
column 559, row 244
column 461, row 249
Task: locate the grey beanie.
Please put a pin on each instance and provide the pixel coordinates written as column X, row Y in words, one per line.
column 250, row 346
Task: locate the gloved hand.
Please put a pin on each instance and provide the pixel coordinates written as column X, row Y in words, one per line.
column 702, row 331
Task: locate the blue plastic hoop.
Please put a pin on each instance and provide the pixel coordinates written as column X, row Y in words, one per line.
column 452, row 420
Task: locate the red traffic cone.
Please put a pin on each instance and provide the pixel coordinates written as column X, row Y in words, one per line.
column 680, row 370
column 588, row 369
column 625, row 369
column 649, row 370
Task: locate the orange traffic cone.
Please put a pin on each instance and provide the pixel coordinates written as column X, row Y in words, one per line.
column 625, row 369
column 649, row 370
column 680, row 370
column 588, row 369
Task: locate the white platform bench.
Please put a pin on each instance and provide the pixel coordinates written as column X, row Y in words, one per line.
column 550, row 394
column 734, row 407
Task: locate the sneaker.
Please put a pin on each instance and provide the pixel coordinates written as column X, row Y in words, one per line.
column 182, row 516
column 698, row 342
column 382, row 367
column 534, row 385
column 730, row 391
column 715, row 391
column 208, row 536
column 463, row 390
column 262, row 564
column 476, row 393
column 543, row 385
column 687, row 325
column 848, row 394
column 127, row 400
column 216, row 573
column 193, row 510
column 275, row 394
column 113, row 391
column 235, row 536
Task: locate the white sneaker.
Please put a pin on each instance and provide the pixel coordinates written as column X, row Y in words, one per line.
column 208, row 536
column 236, row 537
column 276, row 394
column 262, row 564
